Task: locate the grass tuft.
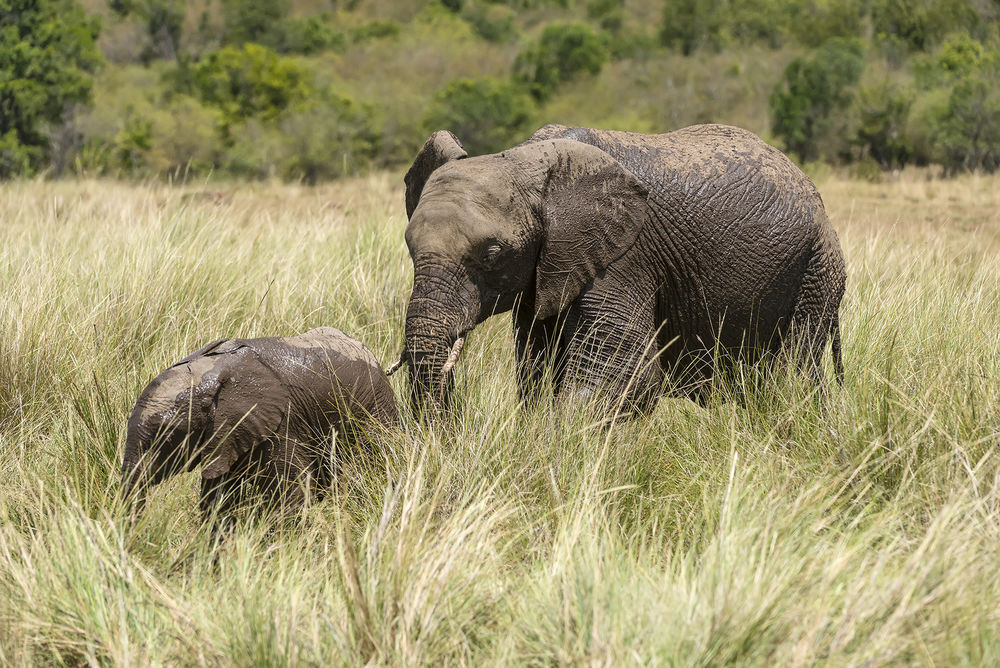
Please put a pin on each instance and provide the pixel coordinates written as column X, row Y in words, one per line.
column 773, row 525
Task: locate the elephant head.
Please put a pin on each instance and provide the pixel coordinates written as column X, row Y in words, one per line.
column 534, row 224
column 172, row 426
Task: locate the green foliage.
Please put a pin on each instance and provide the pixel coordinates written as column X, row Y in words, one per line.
column 811, row 90
column 163, row 21
column 884, row 115
column 487, row 113
column 258, row 21
column 47, row 51
column 377, row 29
column 329, row 138
column 252, row 81
column 966, row 123
column 812, row 22
column 688, row 25
column 920, row 24
column 562, row 52
column 922, row 96
column 133, row 142
column 310, row 35
column 610, row 14
column 492, row 21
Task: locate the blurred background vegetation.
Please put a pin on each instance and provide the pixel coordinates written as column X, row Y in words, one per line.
column 311, row 90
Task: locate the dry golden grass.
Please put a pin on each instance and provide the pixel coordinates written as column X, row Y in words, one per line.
column 776, row 529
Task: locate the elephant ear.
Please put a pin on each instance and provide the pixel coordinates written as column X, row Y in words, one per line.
column 592, row 212
column 440, row 147
column 244, row 418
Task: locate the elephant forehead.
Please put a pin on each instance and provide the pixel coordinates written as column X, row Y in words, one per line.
column 487, row 182
column 174, row 386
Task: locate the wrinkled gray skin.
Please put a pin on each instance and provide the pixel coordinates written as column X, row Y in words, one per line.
column 258, row 416
column 624, row 257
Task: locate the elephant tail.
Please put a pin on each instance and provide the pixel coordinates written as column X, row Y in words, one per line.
column 838, row 362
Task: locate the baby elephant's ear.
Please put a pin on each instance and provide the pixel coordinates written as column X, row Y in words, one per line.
column 592, row 212
column 440, row 147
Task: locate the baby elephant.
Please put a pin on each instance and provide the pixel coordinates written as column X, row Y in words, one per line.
column 260, row 415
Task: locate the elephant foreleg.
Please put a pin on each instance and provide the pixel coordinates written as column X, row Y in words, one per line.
column 611, row 352
column 218, row 497
column 536, row 346
column 290, row 483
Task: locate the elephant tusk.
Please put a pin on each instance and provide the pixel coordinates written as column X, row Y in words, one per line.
column 397, row 364
column 456, row 350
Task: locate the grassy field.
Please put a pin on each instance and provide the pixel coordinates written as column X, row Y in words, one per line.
column 776, row 530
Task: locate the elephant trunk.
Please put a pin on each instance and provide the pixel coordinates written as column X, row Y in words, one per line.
column 156, row 447
column 435, row 333
column 135, row 472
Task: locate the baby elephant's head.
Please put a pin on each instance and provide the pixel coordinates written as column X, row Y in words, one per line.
column 170, row 425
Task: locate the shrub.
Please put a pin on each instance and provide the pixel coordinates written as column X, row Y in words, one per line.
column 486, row 113
column 965, row 126
column 325, row 139
column 810, row 91
column 47, row 52
column 252, row 81
column 920, row 24
column 692, row 24
column 812, row 22
column 610, row 14
column 309, row 35
column 884, row 111
column 258, row 21
column 562, row 52
column 491, row 21
column 377, row 29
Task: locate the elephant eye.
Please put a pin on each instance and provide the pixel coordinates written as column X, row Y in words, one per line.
column 491, row 253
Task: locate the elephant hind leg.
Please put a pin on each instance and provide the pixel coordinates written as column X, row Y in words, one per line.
column 816, row 319
column 838, row 362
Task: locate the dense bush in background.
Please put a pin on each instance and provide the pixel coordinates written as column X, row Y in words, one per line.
column 808, row 104
column 562, row 52
column 47, row 49
column 487, row 113
column 296, row 90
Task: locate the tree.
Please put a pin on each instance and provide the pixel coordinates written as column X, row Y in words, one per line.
column 692, row 24
column 966, row 127
column 811, row 90
column 920, row 24
column 164, row 22
column 259, row 21
column 252, row 81
column 485, row 112
column 884, row 111
column 47, row 51
column 563, row 51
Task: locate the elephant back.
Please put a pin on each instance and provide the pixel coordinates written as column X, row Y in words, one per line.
column 326, row 361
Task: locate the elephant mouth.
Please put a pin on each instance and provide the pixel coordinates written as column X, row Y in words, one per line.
column 454, row 351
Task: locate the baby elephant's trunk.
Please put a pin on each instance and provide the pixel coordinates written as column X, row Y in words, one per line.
column 134, row 484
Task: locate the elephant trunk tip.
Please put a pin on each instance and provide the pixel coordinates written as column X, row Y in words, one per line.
column 398, row 364
column 456, row 350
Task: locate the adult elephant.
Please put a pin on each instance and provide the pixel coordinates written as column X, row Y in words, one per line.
column 624, row 257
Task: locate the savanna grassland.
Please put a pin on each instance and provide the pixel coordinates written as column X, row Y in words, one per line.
column 778, row 528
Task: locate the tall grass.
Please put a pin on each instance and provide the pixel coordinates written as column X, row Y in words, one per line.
column 773, row 529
